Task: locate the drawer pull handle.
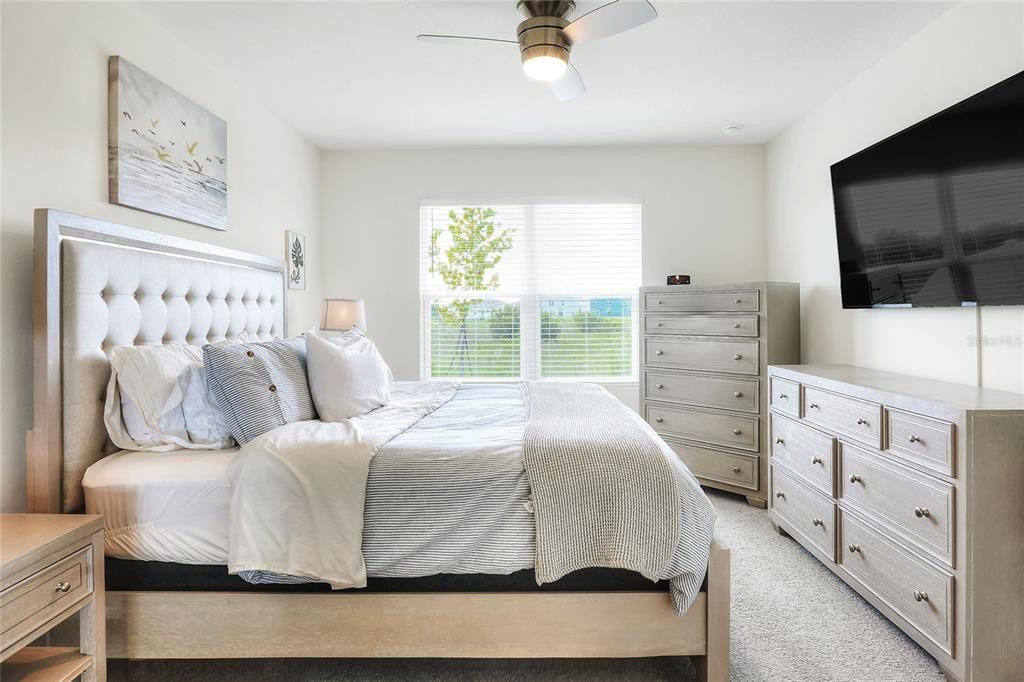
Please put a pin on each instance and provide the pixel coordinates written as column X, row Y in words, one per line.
column 920, row 596
column 862, row 422
column 659, row 352
column 659, row 302
column 783, row 396
column 736, row 326
column 736, row 432
column 922, row 512
column 854, row 548
column 737, row 394
column 659, row 419
column 660, row 386
column 854, row 478
column 816, row 460
column 818, row 522
column 62, row 587
column 661, row 324
column 738, row 300
column 735, row 470
column 915, row 439
column 737, row 357
column 780, row 494
column 779, row 441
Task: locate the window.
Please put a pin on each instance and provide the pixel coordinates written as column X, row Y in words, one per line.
column 530, row 291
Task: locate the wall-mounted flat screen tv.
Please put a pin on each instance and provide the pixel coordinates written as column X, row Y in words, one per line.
column 934, row 215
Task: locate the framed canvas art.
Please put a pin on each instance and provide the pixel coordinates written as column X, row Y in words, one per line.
column 296, row 256
column 167, row 154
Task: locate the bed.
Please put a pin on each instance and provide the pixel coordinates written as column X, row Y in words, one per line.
column 99, row 285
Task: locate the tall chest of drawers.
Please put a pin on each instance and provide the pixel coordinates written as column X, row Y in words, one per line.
column 704, row 353
column 911, row 491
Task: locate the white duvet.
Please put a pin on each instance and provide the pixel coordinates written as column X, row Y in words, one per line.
column 299, row 491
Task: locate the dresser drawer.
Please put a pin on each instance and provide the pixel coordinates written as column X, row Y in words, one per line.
column 33, row 601
column 804, row 451
column 736, row 431
column 736, row 357
column 785, row 396
column 731, row 394
column 916, row 506
column 807, row 512
column 922, row 440
column 743, row 301
column 707, row 325
column 859, row 419
column 921, row 594
column 718, row 465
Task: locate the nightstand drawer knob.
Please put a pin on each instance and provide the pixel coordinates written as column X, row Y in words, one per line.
column 920, row 596
column 737, row 394
column 738, row 301
column 780, row 494
column 736, row 432
column 783, row 396
column 659, row 419
column 659, row 386
column 818, row 522
column 62, row 587
column 854, row 548
column 922, row 512
column 659, row 352
column 737, row 356
column 661, row 324
column 779, row 441
column 915, row 439
column 815, row 460
column 659, row 302
column 854, row 478
column 735, row 470
column 861, row 421
column 813, row 406
column 737, row 325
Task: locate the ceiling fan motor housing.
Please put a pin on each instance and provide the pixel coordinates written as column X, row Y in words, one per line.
column 541, row 35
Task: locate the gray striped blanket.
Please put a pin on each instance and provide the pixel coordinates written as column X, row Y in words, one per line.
column 451, row 495
column 608, row 492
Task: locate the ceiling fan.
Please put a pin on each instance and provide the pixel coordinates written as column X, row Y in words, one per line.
column 549, row 33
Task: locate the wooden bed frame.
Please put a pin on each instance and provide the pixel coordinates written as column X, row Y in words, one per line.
column 143, row 625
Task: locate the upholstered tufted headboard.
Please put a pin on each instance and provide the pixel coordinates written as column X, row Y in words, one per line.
column 98, row 286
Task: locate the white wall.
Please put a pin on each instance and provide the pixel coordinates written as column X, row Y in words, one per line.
column 54, row 147
column 703, row 210
column 969, row 48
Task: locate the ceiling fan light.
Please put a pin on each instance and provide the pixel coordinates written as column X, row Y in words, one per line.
column 545, row 68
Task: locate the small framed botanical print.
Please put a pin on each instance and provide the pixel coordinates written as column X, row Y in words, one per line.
column 296, row 257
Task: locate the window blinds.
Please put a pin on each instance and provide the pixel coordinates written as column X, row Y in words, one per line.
column 530, row 291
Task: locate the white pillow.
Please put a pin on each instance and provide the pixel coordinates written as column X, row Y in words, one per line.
column 204, row 421
column 143, row 409
column 347, row 375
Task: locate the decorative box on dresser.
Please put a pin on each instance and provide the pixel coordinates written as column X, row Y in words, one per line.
column 51, row 567
column 912, row 492
column 704, row 354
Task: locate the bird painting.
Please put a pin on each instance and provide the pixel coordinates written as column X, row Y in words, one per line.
column 160, row 166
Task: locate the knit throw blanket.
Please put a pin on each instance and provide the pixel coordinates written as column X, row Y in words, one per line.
column 608, row 492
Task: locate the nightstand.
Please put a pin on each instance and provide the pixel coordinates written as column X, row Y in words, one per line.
column 51, row 567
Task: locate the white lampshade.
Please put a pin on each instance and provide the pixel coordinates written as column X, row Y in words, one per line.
column 342, row 314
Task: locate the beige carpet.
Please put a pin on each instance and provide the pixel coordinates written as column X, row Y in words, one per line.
column 792, row 620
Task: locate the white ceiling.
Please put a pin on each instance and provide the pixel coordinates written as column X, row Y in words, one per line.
column 351, row 75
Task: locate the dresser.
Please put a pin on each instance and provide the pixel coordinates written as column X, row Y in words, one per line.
column 704, row 353
column 911, row 491
column 51, row 568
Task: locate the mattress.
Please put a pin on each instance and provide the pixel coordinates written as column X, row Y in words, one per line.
column 449, row 495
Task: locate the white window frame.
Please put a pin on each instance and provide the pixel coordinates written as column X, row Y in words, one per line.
column 533, row 320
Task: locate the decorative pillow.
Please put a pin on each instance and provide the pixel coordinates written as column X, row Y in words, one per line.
column 259, row 386
column 347, row 375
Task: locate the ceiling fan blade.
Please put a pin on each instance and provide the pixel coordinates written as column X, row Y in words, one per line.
column 456, row 40
column 570, row 86
column 607, row 20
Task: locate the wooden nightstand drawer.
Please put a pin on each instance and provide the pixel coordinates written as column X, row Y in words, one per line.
column 746, row 300
column 702, row 325
column 38, row 598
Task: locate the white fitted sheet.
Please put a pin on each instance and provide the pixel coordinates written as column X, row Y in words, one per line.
column 163, row 506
